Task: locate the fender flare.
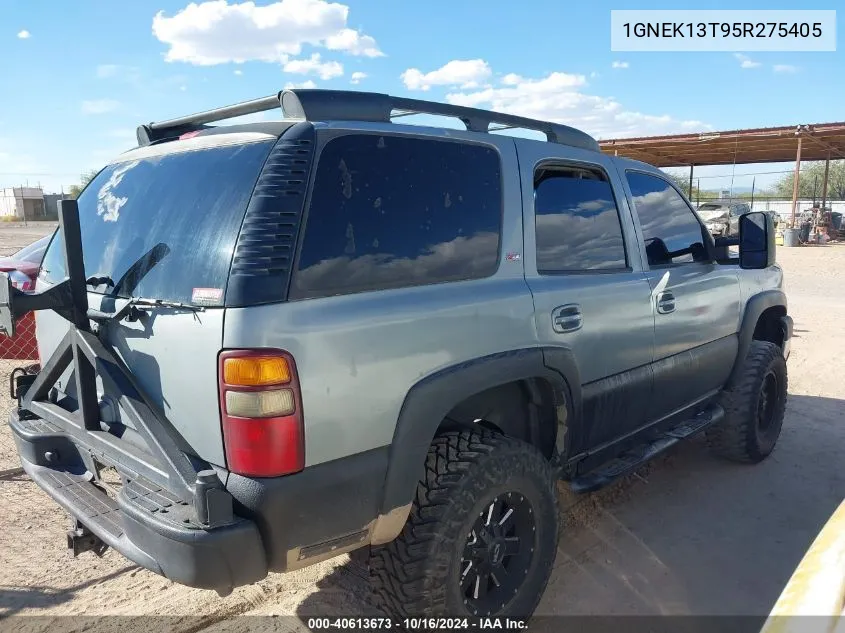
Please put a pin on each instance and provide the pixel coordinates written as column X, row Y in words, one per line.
column 430, row 400
column 754, row 307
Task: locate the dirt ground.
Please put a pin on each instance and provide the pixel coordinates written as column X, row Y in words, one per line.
column 689, row 534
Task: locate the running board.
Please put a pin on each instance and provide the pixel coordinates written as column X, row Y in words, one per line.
column 639, row 455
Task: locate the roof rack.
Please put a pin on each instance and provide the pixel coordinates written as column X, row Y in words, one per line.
column 348, row 105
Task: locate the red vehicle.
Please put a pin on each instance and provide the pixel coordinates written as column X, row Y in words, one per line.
column 23, row 266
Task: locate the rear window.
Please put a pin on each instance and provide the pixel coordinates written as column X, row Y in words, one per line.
column 179, row 213
column 390, row 212
column 34, row 253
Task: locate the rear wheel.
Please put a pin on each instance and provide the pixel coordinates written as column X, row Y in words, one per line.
column 482, row 534
column 754, row 404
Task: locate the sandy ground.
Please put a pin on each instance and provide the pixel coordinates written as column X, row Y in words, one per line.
column 16, row 235
column 688, row 534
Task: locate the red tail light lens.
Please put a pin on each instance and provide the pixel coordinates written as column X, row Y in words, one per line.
column 21, row 281
column 261, row 410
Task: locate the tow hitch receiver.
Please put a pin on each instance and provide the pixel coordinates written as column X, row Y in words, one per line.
column 80, row 539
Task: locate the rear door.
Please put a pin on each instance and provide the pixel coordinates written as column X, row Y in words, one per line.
column 590, row 294
column 696, row 300
column 162, row 223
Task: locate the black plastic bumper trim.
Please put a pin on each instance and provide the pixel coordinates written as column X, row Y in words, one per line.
column 220, row 559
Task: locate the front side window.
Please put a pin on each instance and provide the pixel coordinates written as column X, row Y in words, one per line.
column 671, row 232
column 390, row 212
column 577, row 223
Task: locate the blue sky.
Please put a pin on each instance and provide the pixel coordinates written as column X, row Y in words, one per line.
column 79, row 77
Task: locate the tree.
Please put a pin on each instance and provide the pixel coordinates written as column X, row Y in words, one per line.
column 84, row 179
column 682, row 182
column 811, row 182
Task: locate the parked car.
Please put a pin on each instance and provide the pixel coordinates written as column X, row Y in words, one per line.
column 722, row 217
column 22, row 266
column 334, row 331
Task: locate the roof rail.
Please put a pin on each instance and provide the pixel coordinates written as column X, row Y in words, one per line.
column 349, row 105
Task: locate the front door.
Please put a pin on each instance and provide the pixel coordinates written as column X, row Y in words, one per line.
column 696, row 301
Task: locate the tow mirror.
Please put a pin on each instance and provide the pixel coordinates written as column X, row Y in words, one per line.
column 756, row 240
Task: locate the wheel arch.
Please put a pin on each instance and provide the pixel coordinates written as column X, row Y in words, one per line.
column 431, row 399
column 766, row 305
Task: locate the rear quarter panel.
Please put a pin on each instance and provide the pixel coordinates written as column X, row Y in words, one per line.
column 358, row 355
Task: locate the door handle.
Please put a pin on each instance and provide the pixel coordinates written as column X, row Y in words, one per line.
column 567, row 318
column 665, row 302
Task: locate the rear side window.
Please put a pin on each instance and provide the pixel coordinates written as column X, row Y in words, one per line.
column 672, row 233
column 576, row 222
column 165, row 227
column 389, row 211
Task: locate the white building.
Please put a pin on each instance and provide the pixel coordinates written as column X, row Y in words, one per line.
column 22, row 202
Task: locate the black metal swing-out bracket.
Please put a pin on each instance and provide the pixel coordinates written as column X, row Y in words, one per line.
column 90, row 356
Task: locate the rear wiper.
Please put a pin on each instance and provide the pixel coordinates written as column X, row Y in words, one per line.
column 142, row 302
column 130, row 309
column 98, row 280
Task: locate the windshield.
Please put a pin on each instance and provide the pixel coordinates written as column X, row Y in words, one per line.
column 33, row 253
column 165, row 225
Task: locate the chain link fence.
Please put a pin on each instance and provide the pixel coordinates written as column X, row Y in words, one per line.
column 22, row 346
column 18, row 351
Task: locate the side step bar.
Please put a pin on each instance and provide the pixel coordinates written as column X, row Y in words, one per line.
column 636, row 457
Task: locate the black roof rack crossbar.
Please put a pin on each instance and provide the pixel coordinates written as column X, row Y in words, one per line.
column 348, row 105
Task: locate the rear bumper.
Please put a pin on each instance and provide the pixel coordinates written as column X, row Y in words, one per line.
column 280, row 524
column 146, row 524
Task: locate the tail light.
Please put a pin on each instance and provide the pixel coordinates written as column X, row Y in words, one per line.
column 21, row 281
column 261, row 408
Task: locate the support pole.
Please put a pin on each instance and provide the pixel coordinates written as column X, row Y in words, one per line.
column 691, row 168
column 795, row 178
column 824, row 181
column 753, row 182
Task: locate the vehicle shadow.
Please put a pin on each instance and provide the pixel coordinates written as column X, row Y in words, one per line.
column 688, row 534
column 15, row 599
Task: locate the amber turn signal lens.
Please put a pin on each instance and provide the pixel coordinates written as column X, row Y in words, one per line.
column 256, row 371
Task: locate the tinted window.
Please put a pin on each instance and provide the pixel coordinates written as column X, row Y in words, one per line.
column 388, row 211
column 576, row 222
column 671, row 231
column 183, row 210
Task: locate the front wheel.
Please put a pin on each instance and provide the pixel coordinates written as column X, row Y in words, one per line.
column 482, row 534
column 754, row 404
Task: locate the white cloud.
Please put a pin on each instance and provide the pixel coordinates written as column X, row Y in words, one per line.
column 309, row 85
column 785, row 68
column 745, row 61
column 617, row 64
column 466, row 73
column 239, row 72
column 558, row 97
column 24, row 35
column 352, row 42
column 357, row 77
column 99, row 106
column 217, row 32
column 594, row 75
column 314, row 65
